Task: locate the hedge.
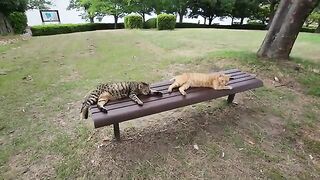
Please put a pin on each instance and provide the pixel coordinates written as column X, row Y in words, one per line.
column 150, row 23
column 166, row 21
column 53, row 29
column 70, row 28
column 18, row 21
column 133, row 22
column 234, row 26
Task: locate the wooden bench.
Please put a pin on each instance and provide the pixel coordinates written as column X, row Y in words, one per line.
column 125, row 109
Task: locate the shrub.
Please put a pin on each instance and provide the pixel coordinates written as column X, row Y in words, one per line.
column 52, row 29
column 166, row 21
column 133, row 22
column 151, row 23
column 18, row 21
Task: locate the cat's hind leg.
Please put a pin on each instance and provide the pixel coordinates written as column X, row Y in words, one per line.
column 184, row 87
column 103, row 100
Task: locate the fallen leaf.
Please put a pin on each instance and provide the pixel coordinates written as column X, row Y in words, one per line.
column 196, row 147
column 310, row 156
column 276, row 79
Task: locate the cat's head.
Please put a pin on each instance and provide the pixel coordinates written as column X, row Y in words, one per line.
column 144, row 88
column 223, row 79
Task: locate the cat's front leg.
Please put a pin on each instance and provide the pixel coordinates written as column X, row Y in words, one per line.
column 135, row 98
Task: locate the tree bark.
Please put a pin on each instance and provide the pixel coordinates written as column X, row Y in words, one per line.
column 232, row 19
column 91, row 19
column 210, row 20
column 143, row 17
column 5, row 26
column 318, row 28
column 287, row 22
column 115, row 21
column 241, row 20
column 180, row 17
column 205, row 20
column 272, row 12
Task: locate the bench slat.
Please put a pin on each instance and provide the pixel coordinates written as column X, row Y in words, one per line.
column 124, row 110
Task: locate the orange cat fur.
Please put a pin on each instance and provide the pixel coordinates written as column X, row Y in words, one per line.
column 216, row 81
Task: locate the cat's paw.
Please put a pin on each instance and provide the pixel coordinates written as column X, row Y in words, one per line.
column 229, row 87
column 140, row 103
column 170, row 90
column 183, row 93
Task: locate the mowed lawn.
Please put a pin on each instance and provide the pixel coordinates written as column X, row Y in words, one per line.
column 272, row 132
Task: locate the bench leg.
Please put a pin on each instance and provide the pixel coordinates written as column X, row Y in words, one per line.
column 230, row 98
column 116, row 131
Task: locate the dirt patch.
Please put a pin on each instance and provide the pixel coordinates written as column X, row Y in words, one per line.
column 20, row 167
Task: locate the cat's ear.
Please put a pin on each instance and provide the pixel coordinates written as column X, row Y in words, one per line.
column 142, row 84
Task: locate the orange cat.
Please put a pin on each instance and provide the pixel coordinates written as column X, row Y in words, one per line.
column 216, row 81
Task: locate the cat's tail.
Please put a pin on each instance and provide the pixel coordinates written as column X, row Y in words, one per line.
column 173, row 79
column 84, row 112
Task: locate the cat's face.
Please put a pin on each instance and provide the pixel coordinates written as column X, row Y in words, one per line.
column 144, row 88
column 224, row 79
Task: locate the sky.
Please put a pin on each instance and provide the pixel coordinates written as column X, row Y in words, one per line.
column 73, row 16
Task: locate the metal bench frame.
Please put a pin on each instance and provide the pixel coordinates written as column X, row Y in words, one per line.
column 125, row 109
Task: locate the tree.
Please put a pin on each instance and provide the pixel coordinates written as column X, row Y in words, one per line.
column 210, row 9
column 38, row 4
column 115, row 8
column 244, row 8
column 9, row 6
column 314, row 17
column 141, row 7
column 272, row 4
column 159, row 6
column 83, row 5
column 262, row 14
column 181, row 8
column 285, row 28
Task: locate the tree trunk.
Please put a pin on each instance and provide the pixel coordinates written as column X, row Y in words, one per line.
column 285, row 27
column 210, row 20
column 5, row 26
column 180, row 17
column 144, row 17
column 232, row 19
column 205, row 20
column 115, row 21
column 272, row 12
column 241, row 20
column 318, row 28
column 91, row 19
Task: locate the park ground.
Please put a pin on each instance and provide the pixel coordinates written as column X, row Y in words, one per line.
column 269, row 133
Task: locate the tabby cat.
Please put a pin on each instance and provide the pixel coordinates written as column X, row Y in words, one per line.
column 216, row 81
column 113, row 91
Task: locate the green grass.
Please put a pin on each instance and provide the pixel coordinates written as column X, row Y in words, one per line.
column 39, row 118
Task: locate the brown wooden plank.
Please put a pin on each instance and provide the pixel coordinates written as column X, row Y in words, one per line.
column 164, row 104
column 147, row 99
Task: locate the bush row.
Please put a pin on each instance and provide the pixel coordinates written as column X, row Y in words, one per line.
column 151, row 23
column 52, row 29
